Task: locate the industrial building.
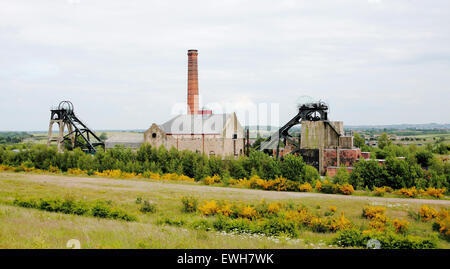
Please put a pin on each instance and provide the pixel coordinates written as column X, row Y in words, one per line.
column 198, row 130
column 322, row 143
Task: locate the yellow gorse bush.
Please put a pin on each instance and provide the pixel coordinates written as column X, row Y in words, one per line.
column 211, row 180
column 443, row 223
column 401, row 226
column 370, row 212
column 318, row 186
column 76, row 171
column 411, row 192
column 273, row 208
column 427, row 213
column 340, row 223
column 209, row 208
column 379, row 191
column 438, row 193
column 305, row 187
column 346, row 189
column 248, row 212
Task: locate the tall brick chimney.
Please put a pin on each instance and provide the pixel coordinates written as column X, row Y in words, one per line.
column 192, row 95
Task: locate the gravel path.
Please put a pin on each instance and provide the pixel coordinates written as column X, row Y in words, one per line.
column 139, row 185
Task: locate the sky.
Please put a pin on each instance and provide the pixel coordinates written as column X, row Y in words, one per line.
column 123, row 64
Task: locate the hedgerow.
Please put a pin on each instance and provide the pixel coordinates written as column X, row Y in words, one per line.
column 100, row 209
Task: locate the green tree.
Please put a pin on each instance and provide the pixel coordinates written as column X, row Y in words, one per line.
column 358, row 140
column 292, row 167
column 383, row 140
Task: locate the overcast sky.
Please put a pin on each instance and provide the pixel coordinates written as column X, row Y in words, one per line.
column 124, row 63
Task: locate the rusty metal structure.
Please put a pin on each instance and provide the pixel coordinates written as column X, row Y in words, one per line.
column 78, row 134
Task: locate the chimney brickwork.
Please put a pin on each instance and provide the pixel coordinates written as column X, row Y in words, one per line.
column 192, row 97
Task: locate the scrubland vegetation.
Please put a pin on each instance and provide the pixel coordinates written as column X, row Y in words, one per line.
column 159, row 215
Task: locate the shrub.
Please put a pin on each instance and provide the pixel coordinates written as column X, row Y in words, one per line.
column 305, row 187
column 346, row 189
column 388, row 240
column 401, row 226
column 438, row 193
column 341, row 223
column 342, row 176
column 370, row 212
column 427, row 213
column 329, row 188
column 292, row 167
column 209, row 208
column 248, row 212
column 212, row 180
column 99, row 209
column 189, row 204
column 442, row 225
column 411, row 192
column 379, row 191
column 148, row 207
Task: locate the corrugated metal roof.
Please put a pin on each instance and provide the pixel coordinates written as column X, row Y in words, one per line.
column 138, row 137
column 195, row 124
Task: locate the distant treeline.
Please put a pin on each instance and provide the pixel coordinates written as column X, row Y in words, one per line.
column 13, row 137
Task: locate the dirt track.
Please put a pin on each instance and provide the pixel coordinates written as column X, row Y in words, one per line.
column 139, row 185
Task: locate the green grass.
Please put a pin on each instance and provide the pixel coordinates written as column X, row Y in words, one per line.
column 168, row 227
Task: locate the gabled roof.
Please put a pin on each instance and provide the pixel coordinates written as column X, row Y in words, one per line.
column 196, row 124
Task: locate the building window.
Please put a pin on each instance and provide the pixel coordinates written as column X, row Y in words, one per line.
column 234, row 136
column 154, row 135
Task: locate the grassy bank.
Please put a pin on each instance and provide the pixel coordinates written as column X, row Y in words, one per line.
column 168, row 227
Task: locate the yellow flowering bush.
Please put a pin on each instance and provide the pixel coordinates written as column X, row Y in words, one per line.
column 209, row 208
column 248, row 212
column 379, row 191
column 340, row 223
column 211, row 180
column 442, row 225
column 438, row 193
column 401, row 226
column 273, row 208
column 411, row 192
column 6, row 168
column 346, row 189
column 109, row 173
column 53, row 169
column 305, row 187
column 225, row 209
column 427, row 213
column 333, row 208
column 370, row 212
column 76, row 171
column 152, row 175
column 318, row 186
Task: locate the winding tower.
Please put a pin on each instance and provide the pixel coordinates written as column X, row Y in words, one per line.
column 78, row 134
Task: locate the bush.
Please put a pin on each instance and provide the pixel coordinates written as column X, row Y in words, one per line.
column 342, row 176
column 427, row 213
column 189, row 204
column 99, row 209
column 148, row 207
column 401, row 226
column 305, row 187
column 370, row 212
column 292, row 167
column 388, row 240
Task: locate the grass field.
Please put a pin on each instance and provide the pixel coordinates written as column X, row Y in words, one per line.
column 32, row 228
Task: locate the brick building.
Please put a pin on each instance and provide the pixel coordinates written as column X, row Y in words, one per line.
column 198, row 130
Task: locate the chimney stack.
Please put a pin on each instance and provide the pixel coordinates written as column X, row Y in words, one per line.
column 192, row 98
